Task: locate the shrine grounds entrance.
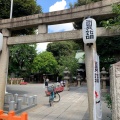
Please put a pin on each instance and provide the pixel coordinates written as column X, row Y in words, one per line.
column 98, row 11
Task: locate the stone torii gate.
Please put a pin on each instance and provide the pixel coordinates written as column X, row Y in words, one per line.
column 98, row 11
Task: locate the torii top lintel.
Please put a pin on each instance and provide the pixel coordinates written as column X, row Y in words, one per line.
column 98, row 10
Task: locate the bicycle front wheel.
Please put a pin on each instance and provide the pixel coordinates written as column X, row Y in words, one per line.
column 56, row 97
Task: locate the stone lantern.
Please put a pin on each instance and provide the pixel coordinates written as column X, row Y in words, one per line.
column 104, row 78
column 79, row 79
column 66, row 78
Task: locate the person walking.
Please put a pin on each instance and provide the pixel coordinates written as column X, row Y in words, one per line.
column 46, row 82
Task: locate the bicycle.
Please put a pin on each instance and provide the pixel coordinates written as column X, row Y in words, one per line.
column 54, row 95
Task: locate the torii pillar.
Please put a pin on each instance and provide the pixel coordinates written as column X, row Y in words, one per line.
column 89, row 75
column 4, row 59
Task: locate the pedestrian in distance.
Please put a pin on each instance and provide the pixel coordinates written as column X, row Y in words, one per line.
column 46, row 82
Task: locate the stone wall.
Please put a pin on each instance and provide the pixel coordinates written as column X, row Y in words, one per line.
column 115, row 90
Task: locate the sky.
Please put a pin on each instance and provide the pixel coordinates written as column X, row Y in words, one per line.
column 50, row 6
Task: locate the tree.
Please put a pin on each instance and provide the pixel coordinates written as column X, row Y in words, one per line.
column 83, row 2
column 63, row 48
column 78, row 25
column 110, row 45
column 68, row 61
column 19, row 54
column 45, row 63
column 21, row 58
column 64, row 52
column 108, row 48
column 20, row 8
column 113, row 21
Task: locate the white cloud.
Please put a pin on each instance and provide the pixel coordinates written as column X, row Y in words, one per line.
column 60, row 27
column 41, row 47
column 61, row 5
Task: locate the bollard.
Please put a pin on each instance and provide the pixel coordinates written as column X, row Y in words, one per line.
column 7, row 98
column 15, row 97
column 24, row 98
column 30, row 99
column 19, row 104
column 35, row 99
column 12, row 105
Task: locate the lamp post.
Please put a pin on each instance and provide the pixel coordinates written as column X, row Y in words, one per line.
column 89, row 38
column 11, row 9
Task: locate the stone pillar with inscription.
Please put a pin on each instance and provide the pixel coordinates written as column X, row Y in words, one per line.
column 115, row 90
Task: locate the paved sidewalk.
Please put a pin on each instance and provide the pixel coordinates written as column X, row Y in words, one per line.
column 72, row 106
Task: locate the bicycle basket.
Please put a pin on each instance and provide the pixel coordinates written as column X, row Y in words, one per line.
column 50, row 89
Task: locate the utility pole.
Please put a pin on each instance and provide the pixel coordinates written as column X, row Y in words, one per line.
column 11, row 10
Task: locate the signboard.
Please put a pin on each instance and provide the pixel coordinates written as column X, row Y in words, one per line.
column 1, row 41
column 97, row 115
column 89, row 30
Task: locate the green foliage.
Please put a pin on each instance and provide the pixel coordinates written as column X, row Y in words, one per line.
column 45, row 63
column 110, row 45
column 116, row 8
column 68, row 61
column 108, row 49
column 21, row 58
column 83, row 2
column 20, row 8
column 64, row 52
column 107, row 23
column 78, row 25
column 108, row 100
column 64, row 48
column 113, row 21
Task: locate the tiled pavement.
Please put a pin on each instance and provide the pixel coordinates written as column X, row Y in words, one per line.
column 72, row 106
